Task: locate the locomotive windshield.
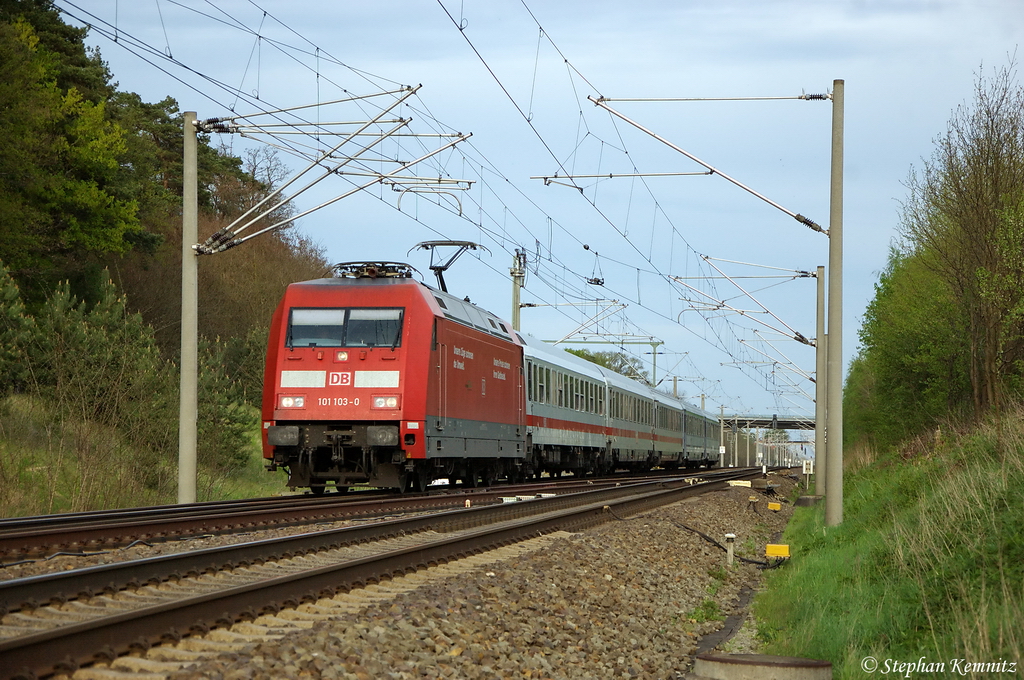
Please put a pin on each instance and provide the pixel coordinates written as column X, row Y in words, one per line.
column 358, row 327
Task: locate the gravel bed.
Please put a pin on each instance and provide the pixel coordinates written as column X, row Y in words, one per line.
column 627, row 599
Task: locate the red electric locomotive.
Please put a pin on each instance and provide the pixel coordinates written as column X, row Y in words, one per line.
column 374, row 378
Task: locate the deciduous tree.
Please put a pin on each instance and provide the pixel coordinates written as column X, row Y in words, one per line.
column 957, row 213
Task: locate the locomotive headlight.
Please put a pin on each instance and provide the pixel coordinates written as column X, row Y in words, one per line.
column 341, row 356
column 291, row 402
column 381, row 401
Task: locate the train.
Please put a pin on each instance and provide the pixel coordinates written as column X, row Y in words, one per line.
column 374, row 378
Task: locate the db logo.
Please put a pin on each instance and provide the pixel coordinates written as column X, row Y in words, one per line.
column 342, row 379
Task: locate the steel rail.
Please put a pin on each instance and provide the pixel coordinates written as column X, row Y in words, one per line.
column 66, row 648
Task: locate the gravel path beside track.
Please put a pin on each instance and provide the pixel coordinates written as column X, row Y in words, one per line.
column 628, row 599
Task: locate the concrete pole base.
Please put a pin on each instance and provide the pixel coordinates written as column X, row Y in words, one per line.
column 758, row 667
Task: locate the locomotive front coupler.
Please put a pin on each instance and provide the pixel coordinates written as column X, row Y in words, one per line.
column 337, row 450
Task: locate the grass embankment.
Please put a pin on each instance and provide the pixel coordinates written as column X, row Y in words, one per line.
column 928, row 562
column 50, row 464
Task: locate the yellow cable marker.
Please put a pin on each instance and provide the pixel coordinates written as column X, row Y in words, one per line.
column 776, row 550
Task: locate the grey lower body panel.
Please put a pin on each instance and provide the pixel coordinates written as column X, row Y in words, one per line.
column 460, row 438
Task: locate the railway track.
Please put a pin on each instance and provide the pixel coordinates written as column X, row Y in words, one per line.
column 57, row 622
column 29, row 538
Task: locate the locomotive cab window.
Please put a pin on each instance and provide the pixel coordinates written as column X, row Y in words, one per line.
column 358, row 327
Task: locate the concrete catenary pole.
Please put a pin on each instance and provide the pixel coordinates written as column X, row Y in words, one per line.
column 189, row 395
column 820, row 383
column 749, row 462
column 834, row 416
column 735, row 443
column 518, row 272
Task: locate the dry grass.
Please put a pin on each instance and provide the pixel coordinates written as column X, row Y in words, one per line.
column 52, row 464
column 972, row 518
column 928, row 561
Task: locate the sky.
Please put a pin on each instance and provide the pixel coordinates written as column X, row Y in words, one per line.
column 706, row 267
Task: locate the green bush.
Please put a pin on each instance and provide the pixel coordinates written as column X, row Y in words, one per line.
column 98, row 423
column 16, row 329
